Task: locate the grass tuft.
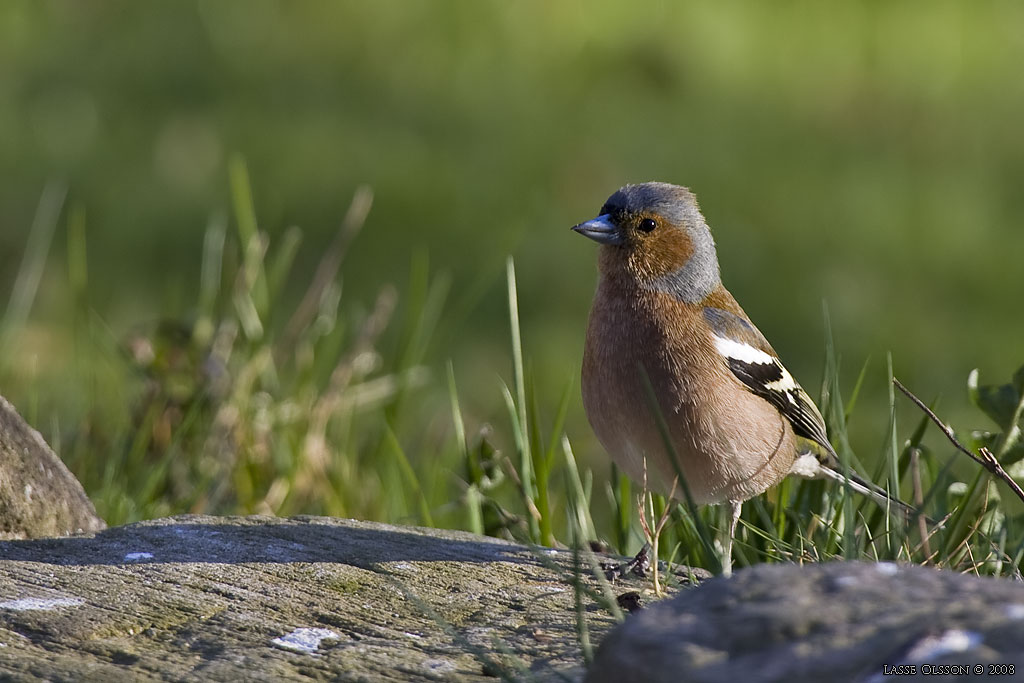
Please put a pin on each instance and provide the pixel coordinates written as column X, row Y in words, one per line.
column 246, row 405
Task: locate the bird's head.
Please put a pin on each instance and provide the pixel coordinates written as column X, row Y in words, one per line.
column 654, row 234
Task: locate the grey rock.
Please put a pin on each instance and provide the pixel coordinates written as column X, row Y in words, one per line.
column 38, row 495
column 826, row 622
column 262, row 598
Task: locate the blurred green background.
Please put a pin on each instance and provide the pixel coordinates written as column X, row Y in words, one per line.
column 866, row 154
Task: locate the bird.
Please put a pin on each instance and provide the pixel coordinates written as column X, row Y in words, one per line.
column 662, row 323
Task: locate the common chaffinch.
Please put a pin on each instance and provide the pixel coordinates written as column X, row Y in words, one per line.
column 737, row 420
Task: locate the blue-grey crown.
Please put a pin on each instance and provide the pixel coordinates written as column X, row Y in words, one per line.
column 699, row 276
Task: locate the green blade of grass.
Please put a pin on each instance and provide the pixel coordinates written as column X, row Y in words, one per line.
column 457, row 423
column 559, row 423
column 409, row 474
column 33, row 263
column 541, row 469
column 582, row 630
column 578, row 499
column 283, row 260
column 426, row 302
column 519, row 378
column 245, row 216
column 522, row 445
column 897, row 528
column 210, row 278
column 245, row 293
column 78, row 261
column 855, row 394
column 832, row 404
column 622, row 498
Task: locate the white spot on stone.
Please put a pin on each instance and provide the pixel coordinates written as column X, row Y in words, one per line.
column 28, row 492
column 480, row 636
column 305, row 640
column 887, row 568
column 404, row 566
column 135, row 557
column 847, row 581
column 412, row 635
column 42, row 604
column 953, row 641
column 1015, row 611
column 438, row 666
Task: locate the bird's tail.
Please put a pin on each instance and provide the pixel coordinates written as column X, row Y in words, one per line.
column 825, row 465
column 873, row 491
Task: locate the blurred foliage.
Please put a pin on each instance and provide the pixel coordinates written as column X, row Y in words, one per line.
column 865, row 154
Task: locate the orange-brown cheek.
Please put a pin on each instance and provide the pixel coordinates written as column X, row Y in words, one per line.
column 661, row 253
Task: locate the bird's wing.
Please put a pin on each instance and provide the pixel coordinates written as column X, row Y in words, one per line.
column 754, row 362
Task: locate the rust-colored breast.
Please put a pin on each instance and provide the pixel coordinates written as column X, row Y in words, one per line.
column 730, row 444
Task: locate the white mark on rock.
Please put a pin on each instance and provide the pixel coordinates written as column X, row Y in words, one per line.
column 28, row 492
column 305, row 640
column 404, row 566
column 438, row 666
column 43, row 604
column 930, row 648
column 887, row 568
column 135, row 557
column 412, row 635
column 482, row 636
column 1015, row 611
column 847, row 581
column 953, row 641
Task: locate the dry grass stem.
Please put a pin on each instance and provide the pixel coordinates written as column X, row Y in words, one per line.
column 985, row 459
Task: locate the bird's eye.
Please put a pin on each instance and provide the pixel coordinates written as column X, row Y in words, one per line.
column 648, row 224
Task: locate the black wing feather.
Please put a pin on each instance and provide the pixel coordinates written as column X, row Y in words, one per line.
column 759, row 377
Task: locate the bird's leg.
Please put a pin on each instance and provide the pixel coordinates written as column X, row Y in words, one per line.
column 735, row 507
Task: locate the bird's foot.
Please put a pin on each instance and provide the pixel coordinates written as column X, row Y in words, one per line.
column 638, row 566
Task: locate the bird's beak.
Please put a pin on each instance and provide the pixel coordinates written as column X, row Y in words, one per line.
column 600, row 229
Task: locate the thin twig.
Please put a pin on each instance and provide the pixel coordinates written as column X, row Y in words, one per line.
column 974, row 529
column 327, row 270
column 653, row 536
column 985, row 459
column 668, row 508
